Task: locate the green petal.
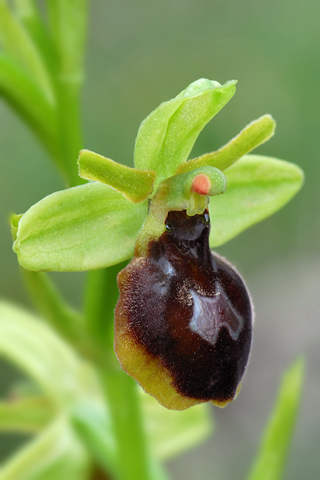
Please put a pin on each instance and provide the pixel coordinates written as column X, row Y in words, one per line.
column 256, row 188
column 253, row 135
column 167, row 135
column 82, row 228
column 136, row 185
column 271, row 459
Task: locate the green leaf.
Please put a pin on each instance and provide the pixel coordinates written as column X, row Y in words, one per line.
column 272, row 455
column 82, row 228
column 167, row 135
column 52, row 307
column 28, row 14
column 68, row 22
column 171, row 432
column 93, row 426
column 55, row 454
column 23, row 93
column 253, row 135
column 256, row 188
column 136, row 185
column 33, row 347
column 26, row 415
column 18, row 44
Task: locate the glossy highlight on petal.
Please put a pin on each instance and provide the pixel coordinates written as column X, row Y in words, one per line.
column 184, row 318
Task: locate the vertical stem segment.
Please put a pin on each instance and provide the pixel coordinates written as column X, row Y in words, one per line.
column 122, row 397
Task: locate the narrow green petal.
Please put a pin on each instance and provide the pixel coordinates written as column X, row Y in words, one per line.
column 253, row 135
column 272, row 455
column 167, row 135
column 256, row 188
column 136, row 185
column 82, row 228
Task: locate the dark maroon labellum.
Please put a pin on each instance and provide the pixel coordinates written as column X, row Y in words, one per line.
column 190, row 310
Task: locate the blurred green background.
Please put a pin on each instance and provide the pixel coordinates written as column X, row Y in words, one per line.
column 142, row 53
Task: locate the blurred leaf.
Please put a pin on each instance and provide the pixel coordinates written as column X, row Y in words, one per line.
column 171, row 432
column 34, row 348
column 271, row 458
column 167, row 135
column 68, row 22
column 18, row 44
column 93, row 426
column 54, row 454
column 136, row 185
column 25, row 415
column 28, row 14
column 21, row 91
column 253, row 135
column 65, row 320
column 256, row 188
column 81, row 228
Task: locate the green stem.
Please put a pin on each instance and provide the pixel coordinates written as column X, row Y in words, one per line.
column 100, row 300
column 122, row 397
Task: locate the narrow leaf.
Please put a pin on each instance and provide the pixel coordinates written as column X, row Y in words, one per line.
column 33, row 347
column 272, row 455
column 27, row 415
column 253, row 135
column 56, row 453
column 171, row 432
column 23, row 93
column 167, row 135
column 256, row 188
column 68, row 22
column 136, row 185
column 93, row 426
column 52, row 307
column 28, row 14
column 18, row 44
column 82, row 228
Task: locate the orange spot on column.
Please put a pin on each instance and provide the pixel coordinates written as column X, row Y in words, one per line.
column 201, row 184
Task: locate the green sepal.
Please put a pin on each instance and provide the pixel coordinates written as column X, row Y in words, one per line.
column 270, row 462
column 257, row 187
column 167, row 135
column 14, row 222
column 82, row 228
column 253, row 135
column 136, row 185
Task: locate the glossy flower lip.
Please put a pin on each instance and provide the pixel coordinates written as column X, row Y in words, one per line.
column 184, row 318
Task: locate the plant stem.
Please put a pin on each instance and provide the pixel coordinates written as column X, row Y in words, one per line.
column 122, row 397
